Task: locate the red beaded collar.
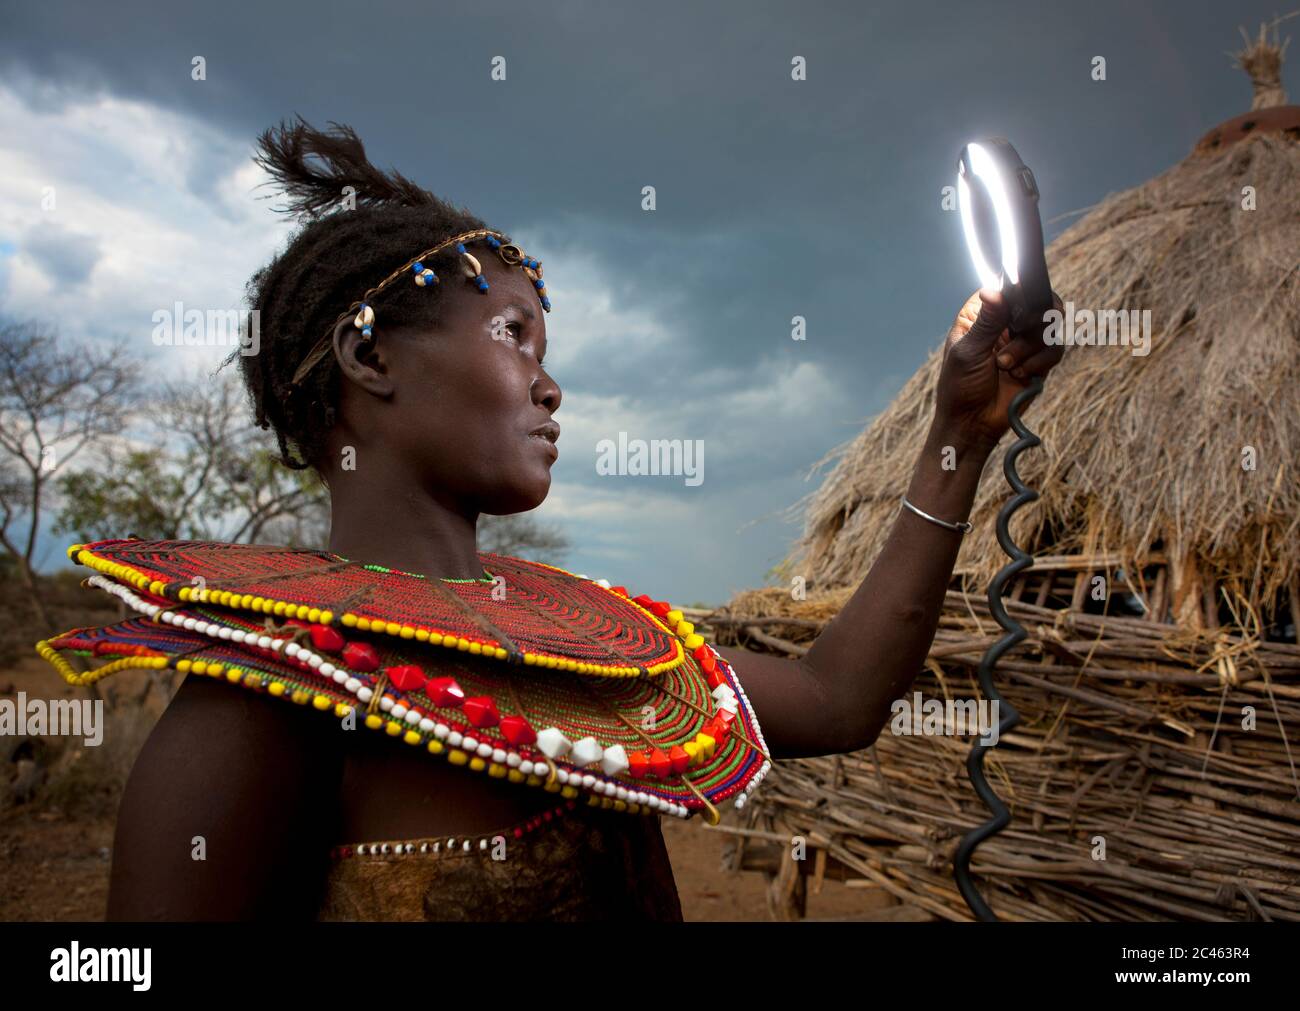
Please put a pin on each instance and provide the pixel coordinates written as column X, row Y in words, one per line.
column 531, row 613
column 537, row 676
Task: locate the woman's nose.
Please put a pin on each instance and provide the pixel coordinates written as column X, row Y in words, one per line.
column 545, row 391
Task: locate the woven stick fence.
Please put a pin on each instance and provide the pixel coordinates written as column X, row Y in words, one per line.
column 1136, row 792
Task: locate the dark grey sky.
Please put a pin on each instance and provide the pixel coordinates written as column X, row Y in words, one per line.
column 775, row 198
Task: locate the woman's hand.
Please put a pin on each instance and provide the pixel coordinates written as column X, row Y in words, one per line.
column 984, row 367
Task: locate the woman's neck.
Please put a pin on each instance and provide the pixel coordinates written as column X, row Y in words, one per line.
column 402, row 529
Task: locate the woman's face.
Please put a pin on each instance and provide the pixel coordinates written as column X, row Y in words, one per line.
column 468, row 413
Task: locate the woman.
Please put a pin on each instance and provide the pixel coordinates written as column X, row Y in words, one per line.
column 423, row 405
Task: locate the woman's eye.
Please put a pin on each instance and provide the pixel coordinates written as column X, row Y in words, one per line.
column 513, row 330
column 506, row 329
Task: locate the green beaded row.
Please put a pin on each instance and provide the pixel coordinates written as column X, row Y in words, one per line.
column 415, row 575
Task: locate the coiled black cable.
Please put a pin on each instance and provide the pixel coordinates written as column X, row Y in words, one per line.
column 1015, row 633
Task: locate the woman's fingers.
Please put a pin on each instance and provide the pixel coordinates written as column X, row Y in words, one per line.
column 1018, row 348
column 1039, row 364
column 981, row 325
column 1021, row 349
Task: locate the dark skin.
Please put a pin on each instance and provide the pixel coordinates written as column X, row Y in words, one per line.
column 438, row 423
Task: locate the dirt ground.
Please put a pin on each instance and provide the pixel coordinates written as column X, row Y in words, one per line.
column 55, row 848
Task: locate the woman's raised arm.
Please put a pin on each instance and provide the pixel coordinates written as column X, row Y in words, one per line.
column 837, row 696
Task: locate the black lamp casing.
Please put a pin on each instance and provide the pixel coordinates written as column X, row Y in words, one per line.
column 1029, row 299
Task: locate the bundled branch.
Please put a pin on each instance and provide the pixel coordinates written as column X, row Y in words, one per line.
column 1153, row 775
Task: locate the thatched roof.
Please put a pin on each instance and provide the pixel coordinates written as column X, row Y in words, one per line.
column 1138, row 452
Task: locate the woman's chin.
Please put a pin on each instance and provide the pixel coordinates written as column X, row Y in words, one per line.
column 540, row 492
column 520, row 498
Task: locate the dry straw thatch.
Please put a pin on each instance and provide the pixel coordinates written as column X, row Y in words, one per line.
column 1131, row 708
column 1138, row 452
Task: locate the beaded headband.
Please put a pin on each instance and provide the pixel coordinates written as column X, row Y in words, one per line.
column 364, row 318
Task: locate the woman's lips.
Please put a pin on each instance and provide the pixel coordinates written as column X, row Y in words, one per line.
column 547, row 444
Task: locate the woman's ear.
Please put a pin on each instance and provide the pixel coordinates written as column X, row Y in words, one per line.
column 362, row 361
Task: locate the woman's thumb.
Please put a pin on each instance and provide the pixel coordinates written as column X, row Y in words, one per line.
column 989, row 324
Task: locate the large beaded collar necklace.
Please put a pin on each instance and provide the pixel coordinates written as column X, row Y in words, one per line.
column 533, row 674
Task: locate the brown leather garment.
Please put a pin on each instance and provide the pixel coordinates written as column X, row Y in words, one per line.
column 588, row 865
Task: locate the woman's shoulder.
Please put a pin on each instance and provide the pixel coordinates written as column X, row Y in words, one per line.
column 244, row 731
column 215, row 742
column 228, row 801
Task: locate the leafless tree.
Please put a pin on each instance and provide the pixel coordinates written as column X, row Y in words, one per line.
column 196, row 468
column 522, row 534
column 56, row 399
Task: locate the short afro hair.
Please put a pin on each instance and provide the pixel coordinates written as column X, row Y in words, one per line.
column 342, row 248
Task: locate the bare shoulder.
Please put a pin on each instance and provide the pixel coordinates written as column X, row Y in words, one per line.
column 230, row 796
column 210, row 719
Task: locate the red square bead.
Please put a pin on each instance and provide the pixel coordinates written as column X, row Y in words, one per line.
column 516, row 730
column 661, row 765
column 679, row 758
column 361, row 656
column 330, row 640
column 445, row 692
column 408, row 677
column 481, row 711
column 717, row 727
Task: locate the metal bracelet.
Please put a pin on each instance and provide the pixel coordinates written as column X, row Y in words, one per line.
column 964, row 526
